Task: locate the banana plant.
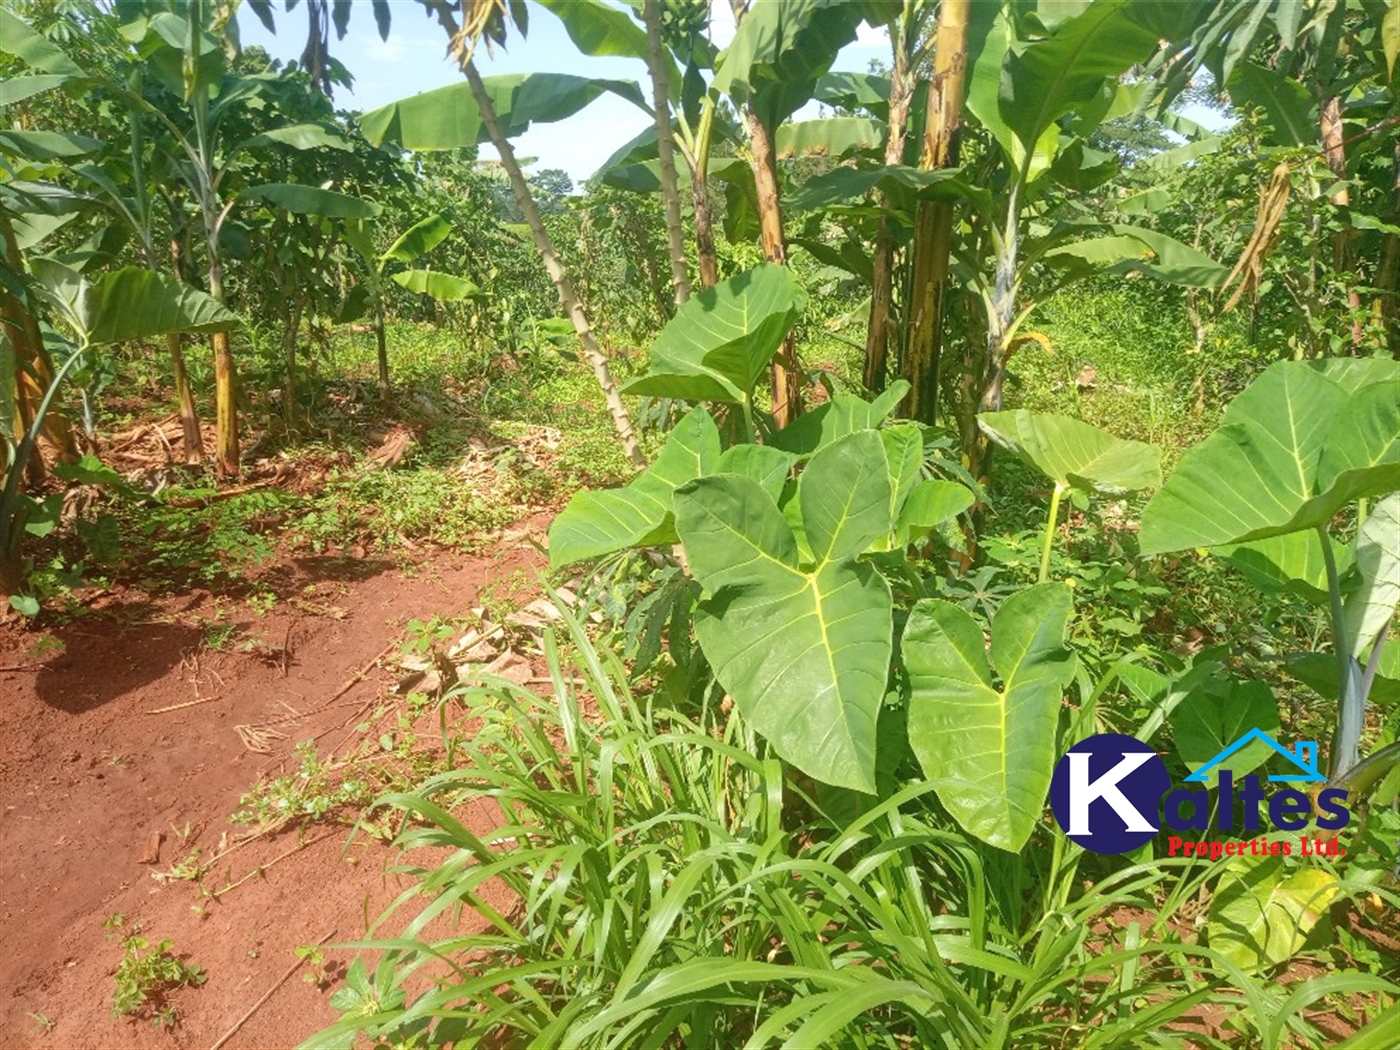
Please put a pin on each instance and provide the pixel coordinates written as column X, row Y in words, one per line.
column 370, row 295
column 178, row 45
column 1301, row 443
column 1076, row 456
column 119, row 306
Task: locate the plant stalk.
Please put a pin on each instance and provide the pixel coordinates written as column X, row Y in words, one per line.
column 1050, row 531
column 552, row 263
column 1350, row 702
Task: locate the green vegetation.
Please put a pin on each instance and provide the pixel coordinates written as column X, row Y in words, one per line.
column 892, row 452
column 147, row 974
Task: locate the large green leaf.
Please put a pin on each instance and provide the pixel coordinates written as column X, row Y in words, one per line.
column 1260, row 915
column 598, row 523
column 47, row 145
column 1217, row 713
column 804, row 650
column 720, row 341
column 830, row 137
column 843, row 414
column 1371, row 606
column 989, row 750
column 312, row 200
column 781, row 50
column 1073, row 453
column 1302, row 441
column 600, row 30
column 442, row 286
column 17, row 89
column 1287, row 104
column 19, row 38
column 844, row 184
column 447, row 117
column 929, row 505
column 130, row 303
column 1291, row 564
column 1042, row 81
column 301, row 137
column 419, row 239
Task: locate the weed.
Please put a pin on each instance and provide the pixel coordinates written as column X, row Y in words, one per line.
column 218, row 636
column 146, row 975
column 43, row 1021
column 311, row 792
column 262, row 603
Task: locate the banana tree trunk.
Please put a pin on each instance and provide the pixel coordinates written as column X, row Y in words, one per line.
column 290, row 332
column 225, row 381
column 381, row 349
column 881, row 331
column 933, row 235
column 189, row 416
column 666, row 151
column 700, row 200
column 545, row 246
column 786, row 388
column 33, row 368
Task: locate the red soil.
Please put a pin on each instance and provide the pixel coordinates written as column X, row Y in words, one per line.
column 88, row 775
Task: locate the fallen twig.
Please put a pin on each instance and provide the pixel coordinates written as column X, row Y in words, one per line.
column 267, row 864
column 176, row 707
column 22, row 667
column 268, row 995
column 358, row 676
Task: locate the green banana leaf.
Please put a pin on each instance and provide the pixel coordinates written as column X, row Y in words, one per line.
column 442, row 286
column 610, row 520
column 312, row 200
column 419, row 239
column 845, row 184
column 1302, row 441
column 17, row 89
column 130, row 303
column 720, row 341
column 780, row 51
column 447, row 117
column 804, row 649
column 1073, row 453
column 831, row 137
column 19, row 38
column 47, row 145
column 301, row 137
column 1287, row 104
column 990, row 750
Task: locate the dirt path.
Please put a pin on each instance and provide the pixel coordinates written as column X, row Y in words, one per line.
column 88, row 775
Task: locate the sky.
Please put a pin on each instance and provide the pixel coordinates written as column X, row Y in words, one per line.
column 413, row 59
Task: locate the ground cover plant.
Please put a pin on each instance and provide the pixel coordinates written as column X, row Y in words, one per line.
column 888, row 434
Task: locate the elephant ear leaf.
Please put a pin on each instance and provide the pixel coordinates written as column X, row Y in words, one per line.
column 1371, row 606
column 720, row 341
column 1073, row 453
column 603, row 522
column 989, row 749
column 804, row 652
column 1301, row 442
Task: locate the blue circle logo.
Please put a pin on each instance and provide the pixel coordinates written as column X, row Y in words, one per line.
column 1107, row 792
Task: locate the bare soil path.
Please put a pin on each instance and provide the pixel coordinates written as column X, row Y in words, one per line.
column 90, row 777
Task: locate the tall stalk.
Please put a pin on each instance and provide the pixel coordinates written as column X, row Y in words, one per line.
column 1049, row 538
column 666, row 150
column 881, row 331
column 568, row 299
column 1351, row 700
column 933, row 230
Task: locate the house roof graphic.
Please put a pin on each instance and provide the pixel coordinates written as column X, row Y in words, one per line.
column 1304, row 756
